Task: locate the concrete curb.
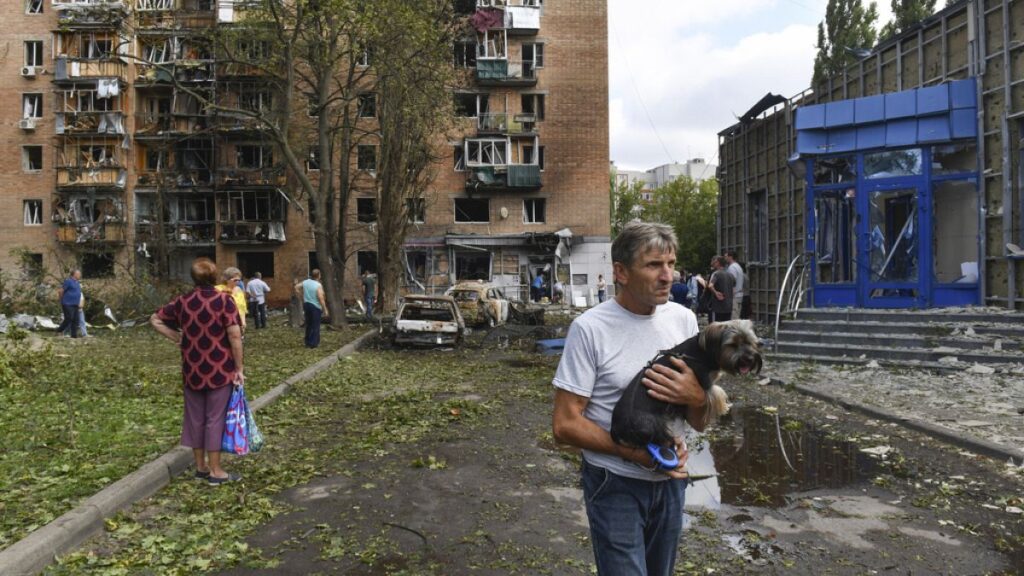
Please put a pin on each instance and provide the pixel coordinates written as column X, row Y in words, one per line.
column 33, row 553
column 967, row 442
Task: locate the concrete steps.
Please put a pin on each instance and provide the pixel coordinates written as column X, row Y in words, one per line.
column 933, row 339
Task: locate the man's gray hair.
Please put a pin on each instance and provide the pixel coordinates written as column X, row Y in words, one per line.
column 639, row 237
column 230, row 273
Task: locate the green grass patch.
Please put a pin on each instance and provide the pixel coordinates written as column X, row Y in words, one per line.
column 77, row 415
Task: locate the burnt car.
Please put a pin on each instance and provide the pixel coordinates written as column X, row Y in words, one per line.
column 481, row 303
column 428, row 321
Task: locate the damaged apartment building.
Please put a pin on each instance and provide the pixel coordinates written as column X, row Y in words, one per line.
column 896, row 184
column 113, row 160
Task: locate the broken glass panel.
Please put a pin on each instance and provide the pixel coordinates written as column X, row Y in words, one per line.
column 955, row 158
column 955, row 231
column 892, row 163
column 835, row 170
column 893, row 232
column 835, row 239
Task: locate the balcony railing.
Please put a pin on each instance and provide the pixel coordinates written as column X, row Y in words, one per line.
column 174, row 177
column 179, row 70
column 507, row 177
column 95, row 176
column 95, row 122
column 241, row 177
column 102, row 233
column 252, row 232
column 495, row 72
column 89, row 13
column 506, row 123
column 165, row 124
column 71, row 69
column 176, row 20
column 181, row 233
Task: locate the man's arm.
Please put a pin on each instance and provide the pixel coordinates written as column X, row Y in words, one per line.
column 323, row 301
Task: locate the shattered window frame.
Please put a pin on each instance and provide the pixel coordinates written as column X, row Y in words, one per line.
column 416, row 209
column 34, row 54
column 366, row 210
column 32, row 212
column 366, row 157
column 33, row 7
column 32, row 158
column 470, row 209
column 534, row 210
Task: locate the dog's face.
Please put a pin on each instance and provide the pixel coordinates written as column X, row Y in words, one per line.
column 734, row 344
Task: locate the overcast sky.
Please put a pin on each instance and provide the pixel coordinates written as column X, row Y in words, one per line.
column 690, row 67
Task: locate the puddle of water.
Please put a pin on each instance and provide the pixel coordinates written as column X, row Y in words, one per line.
column 752, row 470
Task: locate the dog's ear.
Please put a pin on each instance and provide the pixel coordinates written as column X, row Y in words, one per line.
column 711, row 337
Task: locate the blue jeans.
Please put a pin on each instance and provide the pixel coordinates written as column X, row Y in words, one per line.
column 368, row 300
column 71, row 320
column 312, row 316
column 635, row 525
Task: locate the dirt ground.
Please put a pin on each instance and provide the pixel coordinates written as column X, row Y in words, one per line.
column 497, row 497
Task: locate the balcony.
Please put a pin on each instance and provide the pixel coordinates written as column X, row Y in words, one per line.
column 243, row 123
column 246, row 177
column 104, row 233
column 187, row 71
column 501, row 72
column 506, row 123
column 174, row 20
column 77, row 69
column 96, row 14
column 173, row 177
column 518, row 17
column 504, row 178
column 95, row 123
column 252, row 232
column 160, row 125
column 181, row 234
column 91, row 177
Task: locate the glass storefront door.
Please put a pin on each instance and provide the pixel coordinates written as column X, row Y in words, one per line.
column 892, row 235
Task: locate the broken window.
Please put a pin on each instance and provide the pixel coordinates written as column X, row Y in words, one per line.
column 313, row 158
column 533, row 104
column 94, row 155
column 955, row 231
column 32, row 265
column 892, row 163
column 366, row 260
column 491, row 44
column 465, row 54
column 33, row 6
column 366, row 210
column 460, row 158
column 417, row 210
column 835, row 170
column 32, row 105
column 368, row 105
column 253, row 50
column 533, row 210
column 955, row 158
column 366, row 157
column 468, row 105
column 251, row 156
column 364, row 57
column 33, row 53
column 252, row 262
column 472, row 265
column 156, row 160
column 835, row 239
column 254, row 99
column 253, row 206
column 533, row 58
column 463, row 7
column 97, row 265
column 757, row 225
column 31, row 158
column 472, row 210
column 491, row 152
column 33, row 212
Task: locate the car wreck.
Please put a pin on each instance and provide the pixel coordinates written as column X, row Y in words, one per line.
column 481, row 303
column 428, row 321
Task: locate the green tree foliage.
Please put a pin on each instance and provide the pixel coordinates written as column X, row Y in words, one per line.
column 691, row 208
column 906, row 13
column 626, row 204
column 849, row 26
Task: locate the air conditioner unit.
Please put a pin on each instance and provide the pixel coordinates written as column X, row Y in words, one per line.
column 27, row 124
column 29, row 71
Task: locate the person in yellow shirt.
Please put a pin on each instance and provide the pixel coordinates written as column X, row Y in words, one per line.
column 230, row 278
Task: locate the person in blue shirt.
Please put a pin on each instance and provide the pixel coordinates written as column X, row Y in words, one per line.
column 314, row 306
column 70, row 296
column 679, row 289
column 537, row 287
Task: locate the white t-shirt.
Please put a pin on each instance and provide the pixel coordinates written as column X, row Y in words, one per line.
column 736, row 271
column 605, row 348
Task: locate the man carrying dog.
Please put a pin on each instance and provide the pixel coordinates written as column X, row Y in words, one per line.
column 634, row 509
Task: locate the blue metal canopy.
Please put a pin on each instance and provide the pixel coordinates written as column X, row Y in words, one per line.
column 929, row 115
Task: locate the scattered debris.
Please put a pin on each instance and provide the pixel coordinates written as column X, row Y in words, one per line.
column 979, row 369
column 873, row 364
column 880, row 451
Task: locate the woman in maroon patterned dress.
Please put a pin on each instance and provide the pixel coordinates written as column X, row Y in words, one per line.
column 204, row 323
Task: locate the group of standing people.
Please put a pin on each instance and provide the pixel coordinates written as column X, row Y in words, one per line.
column 722, row 296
